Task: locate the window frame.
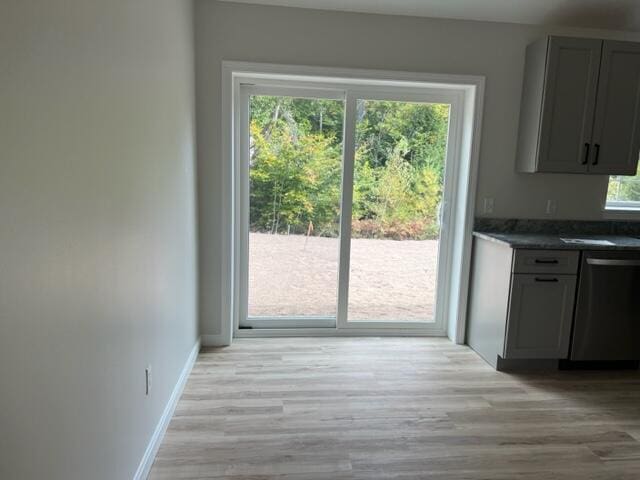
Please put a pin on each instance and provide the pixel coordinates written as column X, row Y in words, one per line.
column 621, row 208
column 470, row 87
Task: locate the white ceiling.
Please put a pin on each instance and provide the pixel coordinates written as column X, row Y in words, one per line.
column 607, row 14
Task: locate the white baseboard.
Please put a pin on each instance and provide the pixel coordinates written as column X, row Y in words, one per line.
column 158, row 434
column 219, row 340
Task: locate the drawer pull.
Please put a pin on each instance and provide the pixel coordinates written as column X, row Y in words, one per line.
column 606, row 262
column 546, row 279
column 546, row 262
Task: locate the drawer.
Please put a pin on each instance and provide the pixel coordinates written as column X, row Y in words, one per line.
column 546, row 261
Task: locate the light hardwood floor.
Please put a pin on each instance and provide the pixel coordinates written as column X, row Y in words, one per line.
column 395, row 408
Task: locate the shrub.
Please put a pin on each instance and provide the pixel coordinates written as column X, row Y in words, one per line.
column 295, row 174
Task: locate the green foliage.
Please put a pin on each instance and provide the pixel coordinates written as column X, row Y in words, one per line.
column 394, row 196
column 420, row 130
column 295, row 174
column 624, row 188
column 294, row 184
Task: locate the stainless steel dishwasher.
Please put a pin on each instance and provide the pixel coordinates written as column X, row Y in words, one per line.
column 607, row 315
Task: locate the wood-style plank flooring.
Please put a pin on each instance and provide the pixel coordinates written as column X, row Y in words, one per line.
column 395, row 408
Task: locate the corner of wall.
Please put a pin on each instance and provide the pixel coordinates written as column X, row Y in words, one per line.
column 158, row 434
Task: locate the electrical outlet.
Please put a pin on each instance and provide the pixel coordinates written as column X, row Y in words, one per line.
column 487, row 206
column 147, row 377
column 552, row 207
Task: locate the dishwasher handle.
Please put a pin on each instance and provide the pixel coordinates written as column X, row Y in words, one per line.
column 612, row 262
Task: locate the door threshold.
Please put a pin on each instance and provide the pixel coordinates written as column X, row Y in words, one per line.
column 260, row 322
column 337, row 332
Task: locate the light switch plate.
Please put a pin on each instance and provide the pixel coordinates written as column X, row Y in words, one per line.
column 487, row 206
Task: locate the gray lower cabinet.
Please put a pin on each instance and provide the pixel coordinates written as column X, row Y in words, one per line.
column 521, row 302
column 540, row 315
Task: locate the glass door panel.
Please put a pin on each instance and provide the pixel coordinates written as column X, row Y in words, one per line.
column 295, row 171
column 399, row 169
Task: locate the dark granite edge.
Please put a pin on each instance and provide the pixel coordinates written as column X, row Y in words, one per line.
column 491, row 237
column 539, row 241
column 535, row 241
column 564, row 227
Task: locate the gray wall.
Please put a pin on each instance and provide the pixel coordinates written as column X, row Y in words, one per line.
column 227, row 31
column 97, row 230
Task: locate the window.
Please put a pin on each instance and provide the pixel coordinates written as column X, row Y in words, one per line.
column 623, row 192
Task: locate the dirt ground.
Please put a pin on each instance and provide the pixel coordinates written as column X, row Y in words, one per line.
column 294, row 275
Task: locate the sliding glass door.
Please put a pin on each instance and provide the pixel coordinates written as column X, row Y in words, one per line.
column 343, row 218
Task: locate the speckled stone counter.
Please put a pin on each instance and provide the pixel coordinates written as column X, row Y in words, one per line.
column 554, row 242
column 547, row 234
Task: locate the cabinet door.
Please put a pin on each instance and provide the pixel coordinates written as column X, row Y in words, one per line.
column 616, row 136
column 540, row 316
column 568, row 105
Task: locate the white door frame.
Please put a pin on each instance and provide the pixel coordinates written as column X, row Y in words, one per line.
column 350, row 94
column 466, row 93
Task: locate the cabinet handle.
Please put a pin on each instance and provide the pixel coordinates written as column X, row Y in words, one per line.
column 546, row 262
column 608, row 262
column 595, row 160
column 546, row 279
column 586, row 154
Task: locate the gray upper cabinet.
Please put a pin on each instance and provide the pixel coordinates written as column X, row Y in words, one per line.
column 616, row 132
column 579, row 110
column 568, row 103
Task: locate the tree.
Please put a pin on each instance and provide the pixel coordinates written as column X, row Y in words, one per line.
column 295, row 170
column 294, row 181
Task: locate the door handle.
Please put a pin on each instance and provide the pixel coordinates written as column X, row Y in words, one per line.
column 586, row 154
column 441, row 209
column 611, row 262
column 595, row 160
column 546, row 262
column 538, row 279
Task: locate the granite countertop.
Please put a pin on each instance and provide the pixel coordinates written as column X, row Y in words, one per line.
column 553, row 241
